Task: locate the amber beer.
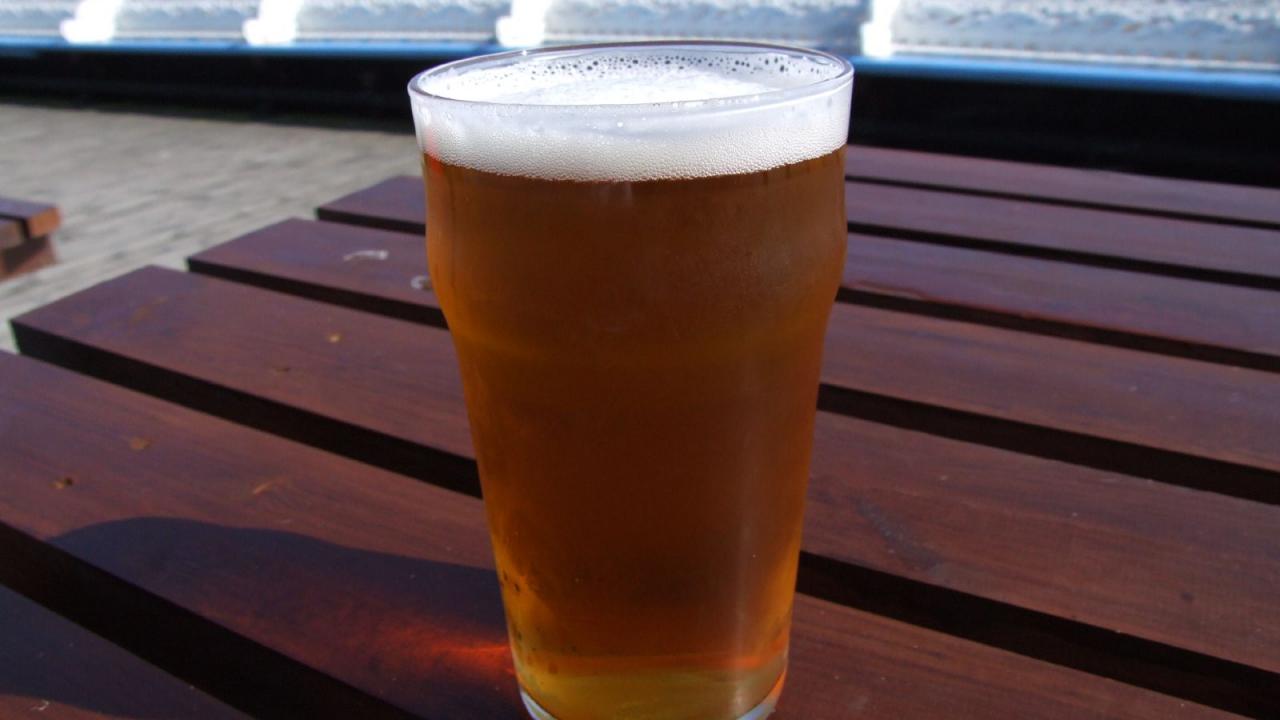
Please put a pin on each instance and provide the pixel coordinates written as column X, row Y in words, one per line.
column 639, row 319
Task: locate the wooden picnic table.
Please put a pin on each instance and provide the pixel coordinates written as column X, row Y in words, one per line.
column 1045, row 485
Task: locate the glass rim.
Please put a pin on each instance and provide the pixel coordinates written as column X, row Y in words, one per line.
column 767, row 98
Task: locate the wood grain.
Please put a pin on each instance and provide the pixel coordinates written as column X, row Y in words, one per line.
column 385, row 272
column 396, row 204
column 1201, row 250
column 273, row 361
column 1116, row 404
column 399, row 382
column 851, row 451
column 371, row 593
column 1224, row 414
column 1099, row 189
column 1221, row 253
column 51, row 668
column 1216, row 202
column 1207, row 321
column 37, row 219
column 1200, row 571
column 359, row 267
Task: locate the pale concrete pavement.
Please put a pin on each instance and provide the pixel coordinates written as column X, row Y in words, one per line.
column 138, row 188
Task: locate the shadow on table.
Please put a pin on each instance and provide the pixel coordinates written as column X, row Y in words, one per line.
column 422, row 635
column 395, row 632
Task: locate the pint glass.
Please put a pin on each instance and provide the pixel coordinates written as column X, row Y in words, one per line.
column 636, row 248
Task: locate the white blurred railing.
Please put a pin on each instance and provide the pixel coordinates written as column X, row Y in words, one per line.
column 105, row 20
column 34, row 18
column 434, row 19
column 831, row 24
column 1237, row 34
column 1241, row 34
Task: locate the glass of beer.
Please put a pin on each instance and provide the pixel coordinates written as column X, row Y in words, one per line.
column 636, row 248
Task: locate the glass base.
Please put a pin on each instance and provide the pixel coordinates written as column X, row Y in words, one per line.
column 759, row 712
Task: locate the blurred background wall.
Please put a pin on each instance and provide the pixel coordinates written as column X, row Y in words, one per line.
column 1177, row 87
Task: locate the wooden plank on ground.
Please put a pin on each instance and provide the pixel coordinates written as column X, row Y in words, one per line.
column 1218, row 202
column 389, row 384
column 310, row 581
column 1208, row 321
column 37, row 219
column 52, row 668
column 1241, row 255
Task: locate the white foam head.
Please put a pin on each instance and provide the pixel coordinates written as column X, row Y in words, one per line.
column 642, row 111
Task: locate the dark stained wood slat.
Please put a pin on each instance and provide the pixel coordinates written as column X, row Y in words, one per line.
column 385, row 272
column 399, row 380
column 37, row 219
column 51, row 668
column 332, row 363
column 11, row 235
column 385, row 583
column 386, row 205
column 24, row 236
column 1110, row 393
column 374, row 270
column 27, row 257
column 1091, row 188
column 1202, row 320
column 1225, row 414
column 1200, row 571
column 866, row 453
column 1240, row 255
column 397, row 204
column 368, row 591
